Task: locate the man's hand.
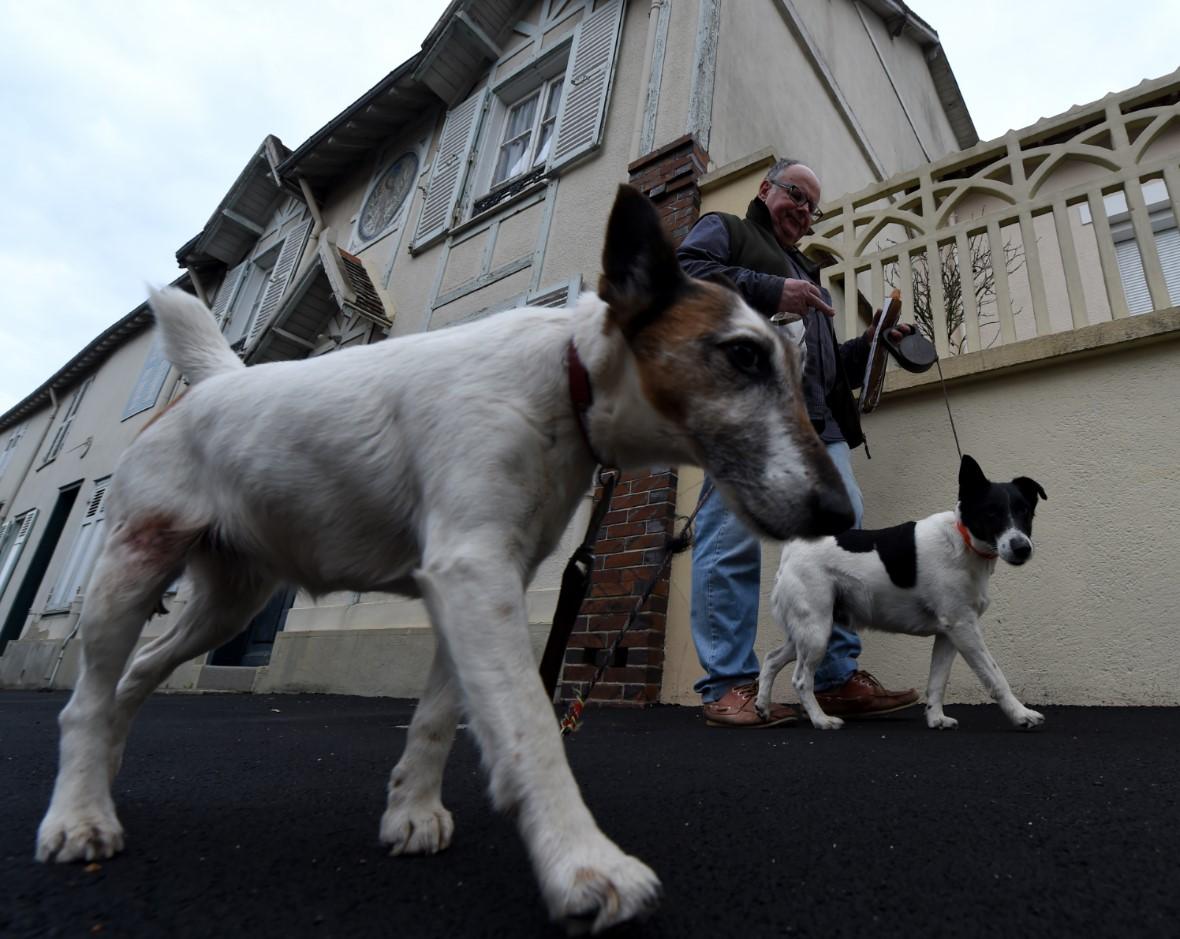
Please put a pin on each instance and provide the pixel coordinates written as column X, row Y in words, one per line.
column 896, row 333
column 799, row 295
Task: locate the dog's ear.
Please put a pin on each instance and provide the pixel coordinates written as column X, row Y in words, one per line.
column 641, row 276
column 971, row 478
column 1030, row 489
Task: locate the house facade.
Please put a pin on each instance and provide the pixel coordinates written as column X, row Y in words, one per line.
column 473, row 178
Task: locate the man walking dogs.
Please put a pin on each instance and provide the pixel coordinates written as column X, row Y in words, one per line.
column 758, row 254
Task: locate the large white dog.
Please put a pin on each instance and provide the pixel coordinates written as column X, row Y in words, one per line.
column 444, row 465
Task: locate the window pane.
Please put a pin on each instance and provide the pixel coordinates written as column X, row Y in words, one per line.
column 520, row 118
column 512, row 159
column 554, row 100
column 543, row 143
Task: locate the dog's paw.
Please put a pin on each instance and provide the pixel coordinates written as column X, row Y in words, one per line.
column 941, row 722
column 600, row 895
column 417, row 828
column 86, row 837
column 1027, row 718
column 827, row 722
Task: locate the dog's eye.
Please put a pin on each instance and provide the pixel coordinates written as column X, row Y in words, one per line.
column 747, row 357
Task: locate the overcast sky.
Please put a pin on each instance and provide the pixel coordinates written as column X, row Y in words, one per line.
column 125, row 122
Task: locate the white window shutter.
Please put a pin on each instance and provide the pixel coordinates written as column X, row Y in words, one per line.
column 1167, row 242
column 1134, row 283
column 8, row 562
column 450, row 167
column 229, row 287
column 60, row 437
column 588, row 83
column 151, row 380
column 280, row 277
column 10, row 446
column 80, row 563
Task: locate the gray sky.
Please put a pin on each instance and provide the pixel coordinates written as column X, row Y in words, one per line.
column 125, row 122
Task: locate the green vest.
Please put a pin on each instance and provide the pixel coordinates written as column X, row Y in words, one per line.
column 753, row 246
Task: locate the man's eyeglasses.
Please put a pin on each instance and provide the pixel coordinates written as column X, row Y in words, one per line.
column 799, row 197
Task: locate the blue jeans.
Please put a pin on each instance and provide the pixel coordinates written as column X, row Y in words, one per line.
column 726, row 571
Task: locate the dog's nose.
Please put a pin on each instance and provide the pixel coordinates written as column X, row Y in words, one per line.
column 831, row 512
column 1021, row 550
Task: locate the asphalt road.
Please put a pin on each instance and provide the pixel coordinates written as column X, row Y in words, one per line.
column 257, row 816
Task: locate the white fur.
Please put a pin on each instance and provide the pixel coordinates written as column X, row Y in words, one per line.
column 444, row 465
column 947, row 602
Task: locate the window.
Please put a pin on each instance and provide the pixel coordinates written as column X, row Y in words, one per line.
column 250, row 292
column 13, row 536
column 244, row 310
column 151, row 380
column 76, row 572
column 528, row 133
column 10, row 448
column 1126, row 248
column 550, row 113
column 63, row 428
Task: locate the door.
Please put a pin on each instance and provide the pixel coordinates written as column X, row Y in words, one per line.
column 253, row 645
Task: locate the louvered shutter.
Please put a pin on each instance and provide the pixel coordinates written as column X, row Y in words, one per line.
column 229, row 287
column 77, row 568
column 24, row 528
column 1167, row 242
column 588, row 83
column 60, row 437
column 10, row 448
column 280, row 277
column 450, row 167
column 151, row 380
column 1131, row 272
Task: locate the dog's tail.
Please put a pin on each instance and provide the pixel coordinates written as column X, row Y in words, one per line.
column 192, row 341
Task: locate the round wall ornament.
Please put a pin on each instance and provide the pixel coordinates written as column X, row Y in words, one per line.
column 386, row 198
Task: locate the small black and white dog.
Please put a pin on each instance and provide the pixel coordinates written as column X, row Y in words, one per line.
column 924, row 578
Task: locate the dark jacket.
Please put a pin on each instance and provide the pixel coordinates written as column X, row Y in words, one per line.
column 746, row 252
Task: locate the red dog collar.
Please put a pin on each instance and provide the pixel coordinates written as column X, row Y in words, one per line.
column 970, row 547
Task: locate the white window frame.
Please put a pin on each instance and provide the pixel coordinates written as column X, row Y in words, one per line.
column 537, row 145
column 75, row 573
column 459, row 188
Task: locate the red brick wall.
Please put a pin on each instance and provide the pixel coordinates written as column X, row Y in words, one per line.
column 642, row 513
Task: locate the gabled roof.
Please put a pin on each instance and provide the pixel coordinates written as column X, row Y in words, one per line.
column 242, row 216
column 336, row 282
column 86, row 362
column 465, row 40
column 900, row 19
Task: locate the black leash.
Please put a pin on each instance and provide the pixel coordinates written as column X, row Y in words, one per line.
column 946, row 398
column 575, row 582
column 676, row 544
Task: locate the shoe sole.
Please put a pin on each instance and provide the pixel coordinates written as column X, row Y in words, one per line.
column 869, row 715
column 791, row 719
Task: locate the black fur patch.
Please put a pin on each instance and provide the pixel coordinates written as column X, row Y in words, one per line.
column 896, row 546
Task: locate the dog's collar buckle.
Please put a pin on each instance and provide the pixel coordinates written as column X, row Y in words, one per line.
column 582, row 396
column 962, row 529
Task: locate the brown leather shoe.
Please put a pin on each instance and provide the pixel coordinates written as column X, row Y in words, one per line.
column 735, row 708
column 863, row 696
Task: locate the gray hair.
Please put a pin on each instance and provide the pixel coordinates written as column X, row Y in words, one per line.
column 779, row 166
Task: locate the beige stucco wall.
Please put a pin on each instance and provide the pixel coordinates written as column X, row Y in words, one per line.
column 784, row 104
column 1091, row 416
column 94, row 443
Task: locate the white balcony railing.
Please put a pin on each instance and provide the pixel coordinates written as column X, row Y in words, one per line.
column 1067, row 223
